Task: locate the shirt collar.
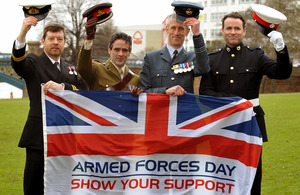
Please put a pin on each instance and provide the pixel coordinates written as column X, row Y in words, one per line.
column 53, row 61
column 123, row 67
column 171, row 50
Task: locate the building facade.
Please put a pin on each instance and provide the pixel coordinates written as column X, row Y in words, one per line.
column 213, row 12
column 153, row 37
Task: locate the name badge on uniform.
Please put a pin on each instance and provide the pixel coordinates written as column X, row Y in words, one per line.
column 184, row 67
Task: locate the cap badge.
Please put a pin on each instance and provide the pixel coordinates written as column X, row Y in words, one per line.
column 272, row 25
column 189, row 11
column 228, row 49
column 33, row 11
column 100, row 13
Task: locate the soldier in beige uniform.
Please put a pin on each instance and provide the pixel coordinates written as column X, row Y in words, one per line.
column 114, row 75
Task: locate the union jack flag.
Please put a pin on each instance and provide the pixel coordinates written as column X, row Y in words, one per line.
column 99, row 142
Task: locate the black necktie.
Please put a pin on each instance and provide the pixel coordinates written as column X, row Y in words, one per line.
column 57, row 65
column 174, row 56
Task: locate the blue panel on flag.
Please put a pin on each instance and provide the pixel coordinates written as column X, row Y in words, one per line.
column 246, row 127
column 127, row 105
column 190, row 105
column 57, row 116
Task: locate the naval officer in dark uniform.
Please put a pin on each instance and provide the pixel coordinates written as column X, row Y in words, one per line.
column 172, row 69
column 48, row 69
column 237, row 70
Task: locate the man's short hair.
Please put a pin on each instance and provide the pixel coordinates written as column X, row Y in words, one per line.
column 171, row 17
column 120, row 35
column 53, row 27
column 234, row 15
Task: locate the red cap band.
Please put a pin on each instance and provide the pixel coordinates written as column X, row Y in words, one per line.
column 101, row 12
column 261, row 21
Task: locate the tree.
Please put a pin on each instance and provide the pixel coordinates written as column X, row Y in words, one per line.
column 69, row 14
column 141, row 54
column 102, row 37
column 290, row 29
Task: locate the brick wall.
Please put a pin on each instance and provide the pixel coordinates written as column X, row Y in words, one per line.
column 282, row 86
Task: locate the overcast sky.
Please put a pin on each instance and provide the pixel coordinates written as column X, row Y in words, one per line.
column 126, row 12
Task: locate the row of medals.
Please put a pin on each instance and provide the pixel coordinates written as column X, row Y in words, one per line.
column 184, row 67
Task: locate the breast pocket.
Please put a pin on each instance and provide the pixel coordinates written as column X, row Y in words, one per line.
column 158, row 77
column 221, row 79
column 248, row 77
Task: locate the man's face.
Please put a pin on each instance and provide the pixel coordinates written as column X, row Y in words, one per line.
column 119, row 52
column 233, row 31
column 176, row 34
column 54, row 44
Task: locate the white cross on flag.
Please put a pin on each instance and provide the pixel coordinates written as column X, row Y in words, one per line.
column 99, row 142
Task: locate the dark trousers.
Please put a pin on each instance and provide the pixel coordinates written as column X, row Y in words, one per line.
column 256, row 187
column 34, row 172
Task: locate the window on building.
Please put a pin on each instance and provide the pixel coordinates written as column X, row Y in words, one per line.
column 215, row 33
column 218, row 2
column 205, row 18
column 216, row 17
column 247, row 1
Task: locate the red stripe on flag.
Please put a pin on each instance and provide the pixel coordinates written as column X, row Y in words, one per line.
column 217, row 116
column 130, row 144
column 155, row 139
column 97, row 119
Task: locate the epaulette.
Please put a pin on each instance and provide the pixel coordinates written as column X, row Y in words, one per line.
column 96, row 60
column 99, row 61
column 254, row 48
column 215, row 52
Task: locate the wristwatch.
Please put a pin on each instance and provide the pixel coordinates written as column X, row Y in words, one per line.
column 197, row 36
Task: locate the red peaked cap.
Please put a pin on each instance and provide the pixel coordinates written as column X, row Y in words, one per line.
column 101, row 11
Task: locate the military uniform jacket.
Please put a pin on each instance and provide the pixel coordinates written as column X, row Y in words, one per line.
column 238, row 71
column 100, row 76
column 157, row 74
column 37, row 70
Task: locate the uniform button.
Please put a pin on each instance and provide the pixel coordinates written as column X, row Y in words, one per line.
column 172, row 78
column 247, row 70
column 232, row 55
column 157, row 75
column 231, row 81
column 231, row 68
column 217, row 72
column 106, row 85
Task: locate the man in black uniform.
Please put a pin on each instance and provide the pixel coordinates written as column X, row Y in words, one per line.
column 47, row 68
column 237, row 70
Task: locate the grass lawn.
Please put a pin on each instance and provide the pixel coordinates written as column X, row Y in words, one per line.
column 281, row 159
column 13, row 115
column 281, row 154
